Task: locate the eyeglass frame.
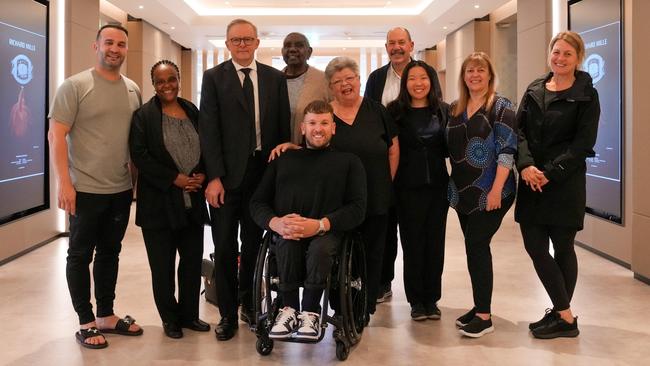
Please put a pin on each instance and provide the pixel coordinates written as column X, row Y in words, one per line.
column 347, row 80
column 237, row 41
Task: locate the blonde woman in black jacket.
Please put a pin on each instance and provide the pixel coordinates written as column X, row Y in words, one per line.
column 171, row 210
column 557, row 122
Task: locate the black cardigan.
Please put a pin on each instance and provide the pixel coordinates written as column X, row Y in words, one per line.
column 160, row 203
column 557, row 140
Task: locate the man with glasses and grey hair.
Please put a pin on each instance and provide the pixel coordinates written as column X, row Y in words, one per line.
column 383, row 86
column 244, row 113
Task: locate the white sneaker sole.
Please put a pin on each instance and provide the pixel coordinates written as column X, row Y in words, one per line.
column 477, row 335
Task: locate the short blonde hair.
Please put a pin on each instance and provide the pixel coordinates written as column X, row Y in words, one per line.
column 339, row 63
column 574, row 40
column 475, row 58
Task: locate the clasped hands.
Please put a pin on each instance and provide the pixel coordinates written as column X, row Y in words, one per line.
column 294, row 226
column 534, row 178
column 188, row 183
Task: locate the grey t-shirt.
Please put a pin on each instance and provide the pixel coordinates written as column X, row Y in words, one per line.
column 294, row 86
column 98, row 112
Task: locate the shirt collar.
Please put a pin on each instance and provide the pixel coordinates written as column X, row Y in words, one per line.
column 252, row 66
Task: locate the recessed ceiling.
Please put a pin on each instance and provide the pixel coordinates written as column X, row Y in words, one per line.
column 197, row 22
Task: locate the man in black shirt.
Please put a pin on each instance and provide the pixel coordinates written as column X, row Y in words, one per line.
column 309, row 198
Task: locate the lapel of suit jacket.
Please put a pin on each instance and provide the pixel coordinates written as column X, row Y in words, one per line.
column 234, row 85
column 262, row 90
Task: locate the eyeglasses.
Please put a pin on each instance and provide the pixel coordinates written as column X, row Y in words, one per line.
column 347, row 80
column 237, row 41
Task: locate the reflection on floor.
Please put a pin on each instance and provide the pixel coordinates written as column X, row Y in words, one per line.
column 38, row 321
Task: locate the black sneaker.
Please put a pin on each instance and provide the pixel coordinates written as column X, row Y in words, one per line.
column 385, row 293
column 477, row 327
column 550, row 315
column 557, row 328
column 418, row 312
column 432, row 311
column 464, row 319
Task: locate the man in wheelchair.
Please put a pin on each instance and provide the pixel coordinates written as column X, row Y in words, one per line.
column 308, row 198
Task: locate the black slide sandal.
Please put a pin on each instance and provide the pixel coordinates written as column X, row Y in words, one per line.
column 84, row 334
column 122, row 327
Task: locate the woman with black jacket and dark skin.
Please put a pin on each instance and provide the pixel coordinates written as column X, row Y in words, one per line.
column 421, row 187
column 557, row 122
column 171, row 210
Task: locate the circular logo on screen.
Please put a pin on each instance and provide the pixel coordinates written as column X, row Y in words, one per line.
column 595, row 66
column 21, row 69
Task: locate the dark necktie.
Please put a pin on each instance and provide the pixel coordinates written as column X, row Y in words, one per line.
column 249, row 96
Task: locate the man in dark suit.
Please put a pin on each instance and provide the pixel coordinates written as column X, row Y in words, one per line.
column 383, row 86
column 244, row 114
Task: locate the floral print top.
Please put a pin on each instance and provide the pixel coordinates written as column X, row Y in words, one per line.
column 476, row 146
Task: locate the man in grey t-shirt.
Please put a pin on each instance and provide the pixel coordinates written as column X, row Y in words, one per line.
column 90, row 122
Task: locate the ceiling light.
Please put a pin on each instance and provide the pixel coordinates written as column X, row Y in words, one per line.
column 476, row 6
column 445, row 27
column 140, row 7
column 173, row 28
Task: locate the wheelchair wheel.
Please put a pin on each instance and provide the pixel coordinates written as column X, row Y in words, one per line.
column 342, row 351
column 264, row 346
column 353, row 292
column 266, row 305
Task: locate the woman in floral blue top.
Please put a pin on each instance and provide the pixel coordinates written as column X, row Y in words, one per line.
column 482, row 142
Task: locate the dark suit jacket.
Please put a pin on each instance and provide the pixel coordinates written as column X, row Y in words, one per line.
column 377, row 80
column 224, row 120
column 160, row 203
column 557, row 140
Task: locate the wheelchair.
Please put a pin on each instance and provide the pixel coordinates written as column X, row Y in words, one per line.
column 347, row 282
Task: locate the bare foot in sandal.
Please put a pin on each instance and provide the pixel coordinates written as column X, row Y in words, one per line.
column 90, row 337
column 115, row 325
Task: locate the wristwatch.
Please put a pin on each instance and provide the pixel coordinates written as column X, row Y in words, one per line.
column 321, row 228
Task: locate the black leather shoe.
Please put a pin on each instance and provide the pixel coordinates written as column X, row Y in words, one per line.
column 172, row 330
column 197, row 325
column 226, row 328
column 247, row 316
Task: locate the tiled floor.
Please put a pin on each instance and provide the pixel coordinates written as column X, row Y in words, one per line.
column 38, row 322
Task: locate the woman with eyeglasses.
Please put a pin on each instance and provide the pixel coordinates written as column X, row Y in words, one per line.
column 171, row 210
column 365, row 128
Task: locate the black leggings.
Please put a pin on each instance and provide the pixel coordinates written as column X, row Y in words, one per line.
column 478, row 229
column 558, row 273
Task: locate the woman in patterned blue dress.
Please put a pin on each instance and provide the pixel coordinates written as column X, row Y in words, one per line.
column 482, row 142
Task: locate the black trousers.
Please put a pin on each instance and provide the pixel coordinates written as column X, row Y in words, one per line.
column 558, row 273
column 235, row 212
column 423, row 221
column 98, row 226
column 162, row 246
column 478, row 229
column 390, row 248
column 373, row 234
column 305, row 263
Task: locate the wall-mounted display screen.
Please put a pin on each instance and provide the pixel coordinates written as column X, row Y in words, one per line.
column 24, row 187
column 599, row 24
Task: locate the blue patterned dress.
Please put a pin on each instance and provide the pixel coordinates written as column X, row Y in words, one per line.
column 476, row 146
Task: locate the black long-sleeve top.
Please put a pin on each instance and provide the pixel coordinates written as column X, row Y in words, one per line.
column 314, row 184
